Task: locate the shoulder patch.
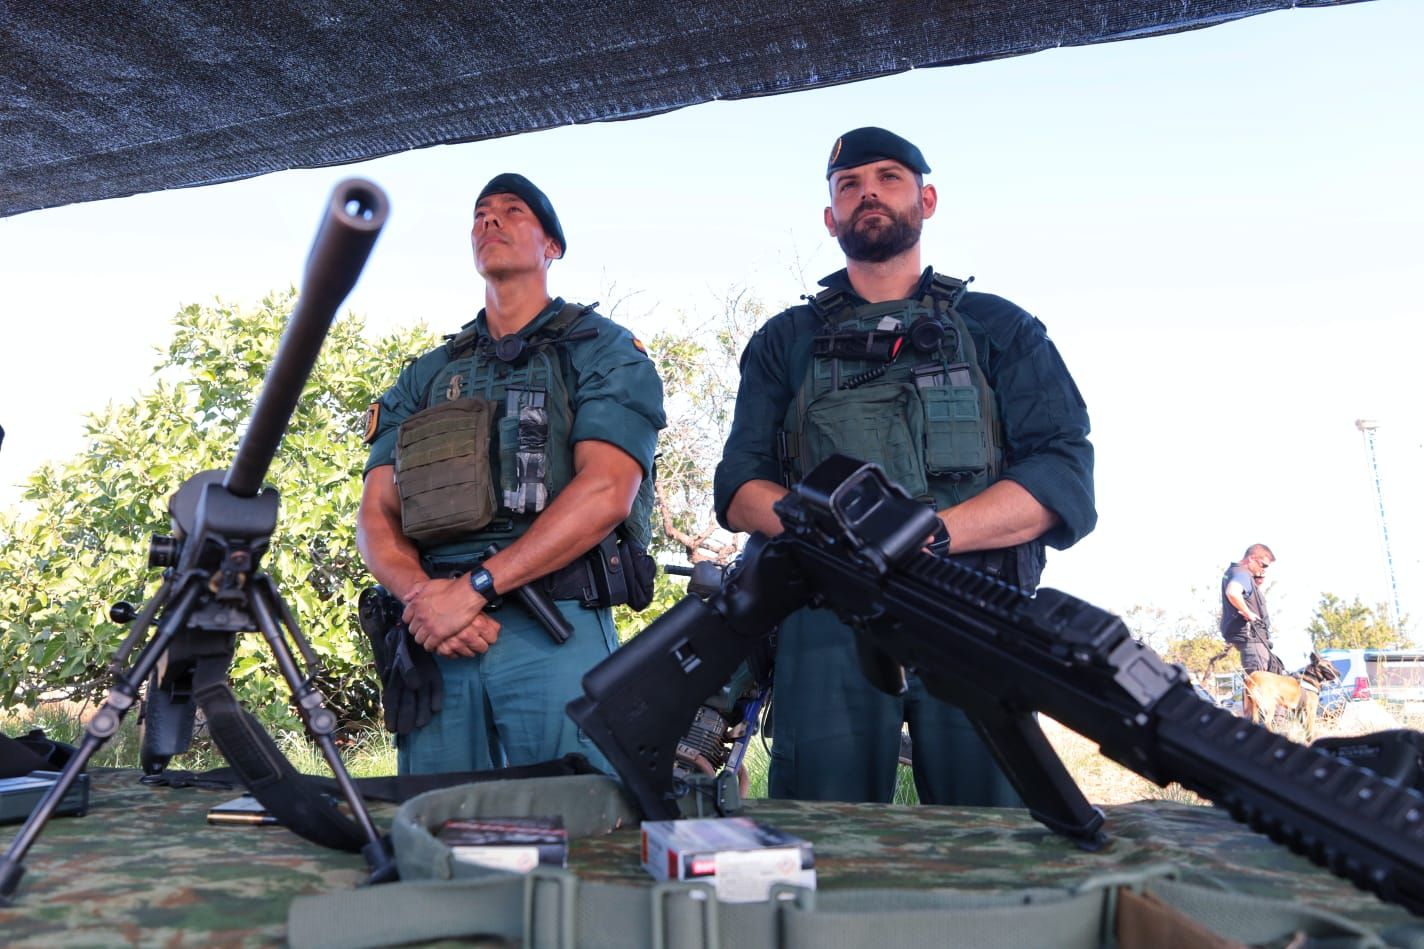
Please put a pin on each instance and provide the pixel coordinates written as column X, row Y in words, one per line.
column 638, row 345
column 373, row 421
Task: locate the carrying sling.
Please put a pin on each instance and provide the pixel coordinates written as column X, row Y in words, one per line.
column 445, row 898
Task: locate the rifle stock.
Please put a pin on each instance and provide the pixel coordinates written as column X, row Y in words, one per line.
column 852, row 544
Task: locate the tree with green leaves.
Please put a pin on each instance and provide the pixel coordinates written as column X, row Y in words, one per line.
column 1189, row 638
column 699, row 367
column 1340, row 625
column 80, row 541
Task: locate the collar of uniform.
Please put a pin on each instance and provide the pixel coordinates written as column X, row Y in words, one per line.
column 481, row 325
column 840, row 280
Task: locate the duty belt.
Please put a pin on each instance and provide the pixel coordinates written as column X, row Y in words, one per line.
column 572, row 582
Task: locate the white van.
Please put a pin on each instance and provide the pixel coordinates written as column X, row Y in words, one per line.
column 1391, row 675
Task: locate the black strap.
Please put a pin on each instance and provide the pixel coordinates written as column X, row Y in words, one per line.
column 832, row 303
column 266, row 772
column 16, row 759
column 396, row 788
column 950, row 288
column 305, row 804
column 33, row 751
column 558, row 325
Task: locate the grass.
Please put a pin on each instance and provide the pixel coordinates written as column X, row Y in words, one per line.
column 757, row 762
column 372, row 752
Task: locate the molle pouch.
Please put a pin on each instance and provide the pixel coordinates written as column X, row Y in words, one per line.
column 956, row 444
column 443, row 470
column 880, row 423
column 524, row 450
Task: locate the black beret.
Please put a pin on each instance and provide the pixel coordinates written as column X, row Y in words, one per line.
column 522, row 188
column 864, row 145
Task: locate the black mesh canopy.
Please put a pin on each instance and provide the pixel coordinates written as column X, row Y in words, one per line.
column 100, row 100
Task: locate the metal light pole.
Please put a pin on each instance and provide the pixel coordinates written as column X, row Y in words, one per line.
column 1367, row 428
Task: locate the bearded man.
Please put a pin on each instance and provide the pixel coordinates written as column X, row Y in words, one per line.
column 965, row 402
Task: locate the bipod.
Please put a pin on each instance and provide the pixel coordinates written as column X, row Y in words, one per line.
column 213, row 588
column 200, row 608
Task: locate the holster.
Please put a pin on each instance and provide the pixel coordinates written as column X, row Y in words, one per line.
column 618, row 571
column 607, row 573
column 378, row 610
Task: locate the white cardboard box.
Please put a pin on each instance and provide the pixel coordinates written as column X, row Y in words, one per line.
column 741, row 858
column 513, row 843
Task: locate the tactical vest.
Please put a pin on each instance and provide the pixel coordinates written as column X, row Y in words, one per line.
column 497, row 419
column 899, row 384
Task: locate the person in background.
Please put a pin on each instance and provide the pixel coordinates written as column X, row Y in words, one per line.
column 1245, row 622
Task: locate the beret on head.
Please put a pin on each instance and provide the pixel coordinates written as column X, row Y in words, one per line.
column 864, row 145
column 522, row 188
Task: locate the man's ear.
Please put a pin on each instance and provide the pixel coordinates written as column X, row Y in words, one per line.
column 830, row 222
column 930, row 197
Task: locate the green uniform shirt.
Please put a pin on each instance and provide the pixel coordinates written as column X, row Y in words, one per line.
column 615, row 391
column 1044, row 418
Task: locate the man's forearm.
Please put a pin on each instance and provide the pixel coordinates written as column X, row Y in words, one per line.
column 596, row 501
column 1238, row 601
column 1002, row 515
column 567, row 529
column 390, row 556
column 750, row 509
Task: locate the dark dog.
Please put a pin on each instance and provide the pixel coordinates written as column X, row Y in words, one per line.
column 1265, row 692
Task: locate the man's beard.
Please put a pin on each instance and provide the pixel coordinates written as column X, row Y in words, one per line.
column 876, row 245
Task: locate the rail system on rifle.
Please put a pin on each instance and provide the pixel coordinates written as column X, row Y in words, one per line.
column 853, row 542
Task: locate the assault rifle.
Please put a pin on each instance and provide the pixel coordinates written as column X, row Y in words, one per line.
column 853, row 543
column 710, row 755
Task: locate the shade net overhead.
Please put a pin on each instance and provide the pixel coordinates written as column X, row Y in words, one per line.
column 100, row 100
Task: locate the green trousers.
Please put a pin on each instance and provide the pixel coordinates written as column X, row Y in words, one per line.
column 506, row 707
column 835, row 737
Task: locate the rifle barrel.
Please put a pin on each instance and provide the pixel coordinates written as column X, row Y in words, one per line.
column 352, row 222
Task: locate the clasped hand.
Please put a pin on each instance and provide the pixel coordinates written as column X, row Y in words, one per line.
column 447, row 617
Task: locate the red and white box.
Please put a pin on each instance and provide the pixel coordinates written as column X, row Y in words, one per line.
column 518, row 844
column 740, row 857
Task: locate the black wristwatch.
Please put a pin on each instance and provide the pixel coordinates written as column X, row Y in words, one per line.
column 940, row 544
column 482, row 583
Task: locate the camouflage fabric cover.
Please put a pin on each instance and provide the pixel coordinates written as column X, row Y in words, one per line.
column 144, row 867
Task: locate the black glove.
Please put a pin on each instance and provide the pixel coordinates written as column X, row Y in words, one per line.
column 412, row 690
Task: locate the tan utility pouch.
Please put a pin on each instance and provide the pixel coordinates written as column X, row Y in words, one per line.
column 443, row 470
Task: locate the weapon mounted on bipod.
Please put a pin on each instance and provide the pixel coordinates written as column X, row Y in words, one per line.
column 853, row 543
column 213, row 587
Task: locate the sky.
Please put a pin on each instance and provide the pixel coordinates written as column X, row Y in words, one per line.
column 1220, row 229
